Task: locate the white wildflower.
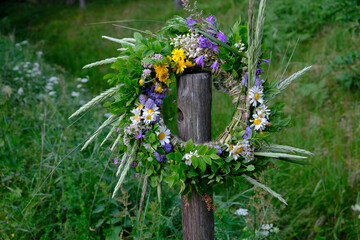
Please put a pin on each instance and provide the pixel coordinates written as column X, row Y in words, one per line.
column 356, row 208
column 75, row 94
column 241, row 212
column 256, row 95
column 163, row 135
column 20, row 91
column 259, row 122
column 187, row 157
column 52, row 93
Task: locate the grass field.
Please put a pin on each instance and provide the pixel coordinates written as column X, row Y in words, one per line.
column 49, row 191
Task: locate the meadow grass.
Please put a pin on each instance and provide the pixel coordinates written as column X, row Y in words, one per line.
column 35, row 140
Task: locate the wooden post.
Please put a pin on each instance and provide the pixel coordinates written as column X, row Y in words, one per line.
column 194, row 122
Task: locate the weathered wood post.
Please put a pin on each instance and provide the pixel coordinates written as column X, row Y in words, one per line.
column 178, row 4
column 194, row 122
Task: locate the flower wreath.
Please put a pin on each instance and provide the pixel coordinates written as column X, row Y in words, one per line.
column 147, row 68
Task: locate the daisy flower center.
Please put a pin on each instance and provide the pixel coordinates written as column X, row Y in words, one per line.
column 161, row 136
column 148, row 117
column 256, row 96
column 239, row 150
column 136, row 116
column 231, row 147
column 149, row 111
column 140, row 106
column 257, row 121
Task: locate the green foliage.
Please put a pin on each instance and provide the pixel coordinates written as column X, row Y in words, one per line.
column 347, row 69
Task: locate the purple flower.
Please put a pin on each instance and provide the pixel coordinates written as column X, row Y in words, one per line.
column 204, row 42
column 142, row 98
column 267, row 61
column 247, row 133
column 214, row 66
column 157, row 57
column 244, row 80
column 146, row 73
column 140, row 136
column 157, row 120
column 116, row 161
column 190, row 22
column 158, row 101
column 219, row 151
column 135, row 175
column 257, row 82
column 215, row 48
column 133, row 164
column 200, row 60
column 259, row 71
column 167, row 147
column 160, row 157
column 211, row 19
column 149, row 103
column 221, row 37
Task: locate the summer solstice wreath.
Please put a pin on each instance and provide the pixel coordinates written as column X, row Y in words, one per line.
column 149, row 65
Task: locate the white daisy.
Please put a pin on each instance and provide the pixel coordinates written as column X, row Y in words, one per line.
column 230, row 147
column 139, row 106
column 137, row 116
column 256, row 95
column 259, row 123
column 263, row 111
column 239, row 149
column 151, row 110
column 150, row 117
column 163, row 135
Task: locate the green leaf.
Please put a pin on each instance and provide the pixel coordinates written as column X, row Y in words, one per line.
column 202, row 149
column 178, row 157
column 171, row 156
column 207, row 160
column 195, row 161
column 214, row 156
column 152, row 138
column 202, row 165
column 192, row 173
column 189, row 146
column 237, row 165
column 211, row 151
column 250, row 168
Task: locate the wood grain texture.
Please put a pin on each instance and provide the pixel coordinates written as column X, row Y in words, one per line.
column 194, row 122
column 178, row 4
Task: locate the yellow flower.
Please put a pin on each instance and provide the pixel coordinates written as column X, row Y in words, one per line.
column 189, row 64
column 141, row 82
column 178, row 55
column 180, row 67
column 158, row 88
column 162, row 72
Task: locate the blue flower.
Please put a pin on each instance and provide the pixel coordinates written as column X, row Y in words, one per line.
column 190, row 22
column 244, row 80
column 167, row 147
column 221, row 37
column 211, row 19
column 140, row 136
column 214, row 66
column 142, row 98
column 247, row 133
column 200, row 60
column 149, row 103
column 219, row 151
column 257, row 82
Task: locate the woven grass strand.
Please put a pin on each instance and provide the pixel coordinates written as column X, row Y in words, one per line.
column 278, row 155
column 130, row 160
column 123, row 161
column 104, row 95
column 283, row 84
column 99, row 130
column 260, row 185
column 143, row 194
column 105, row 61
column 121, row 41
column 284, row 149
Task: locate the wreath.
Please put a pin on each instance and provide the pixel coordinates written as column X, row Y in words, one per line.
column 147, row 69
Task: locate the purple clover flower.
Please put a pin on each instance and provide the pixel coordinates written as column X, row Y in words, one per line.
column 219, row 151
column 257, row 82
column 142, row 98
column 247, row 133
column 167, row 147
column 244, row 80
column 214, row 66
column 146, row 73
column 149, row 103
column 221, row 37
column 157, row 57
column 200, row 60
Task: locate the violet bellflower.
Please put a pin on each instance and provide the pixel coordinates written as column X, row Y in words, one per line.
column 200, row 60
column 167, row 147
column 204, row 42
column 247, row 133
column 221, row 37
column 211, row 19
column 214, row 66
column 140, row 136
column 257, row 82
column 190, row 22
column 244, row 80
column 266, row 61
